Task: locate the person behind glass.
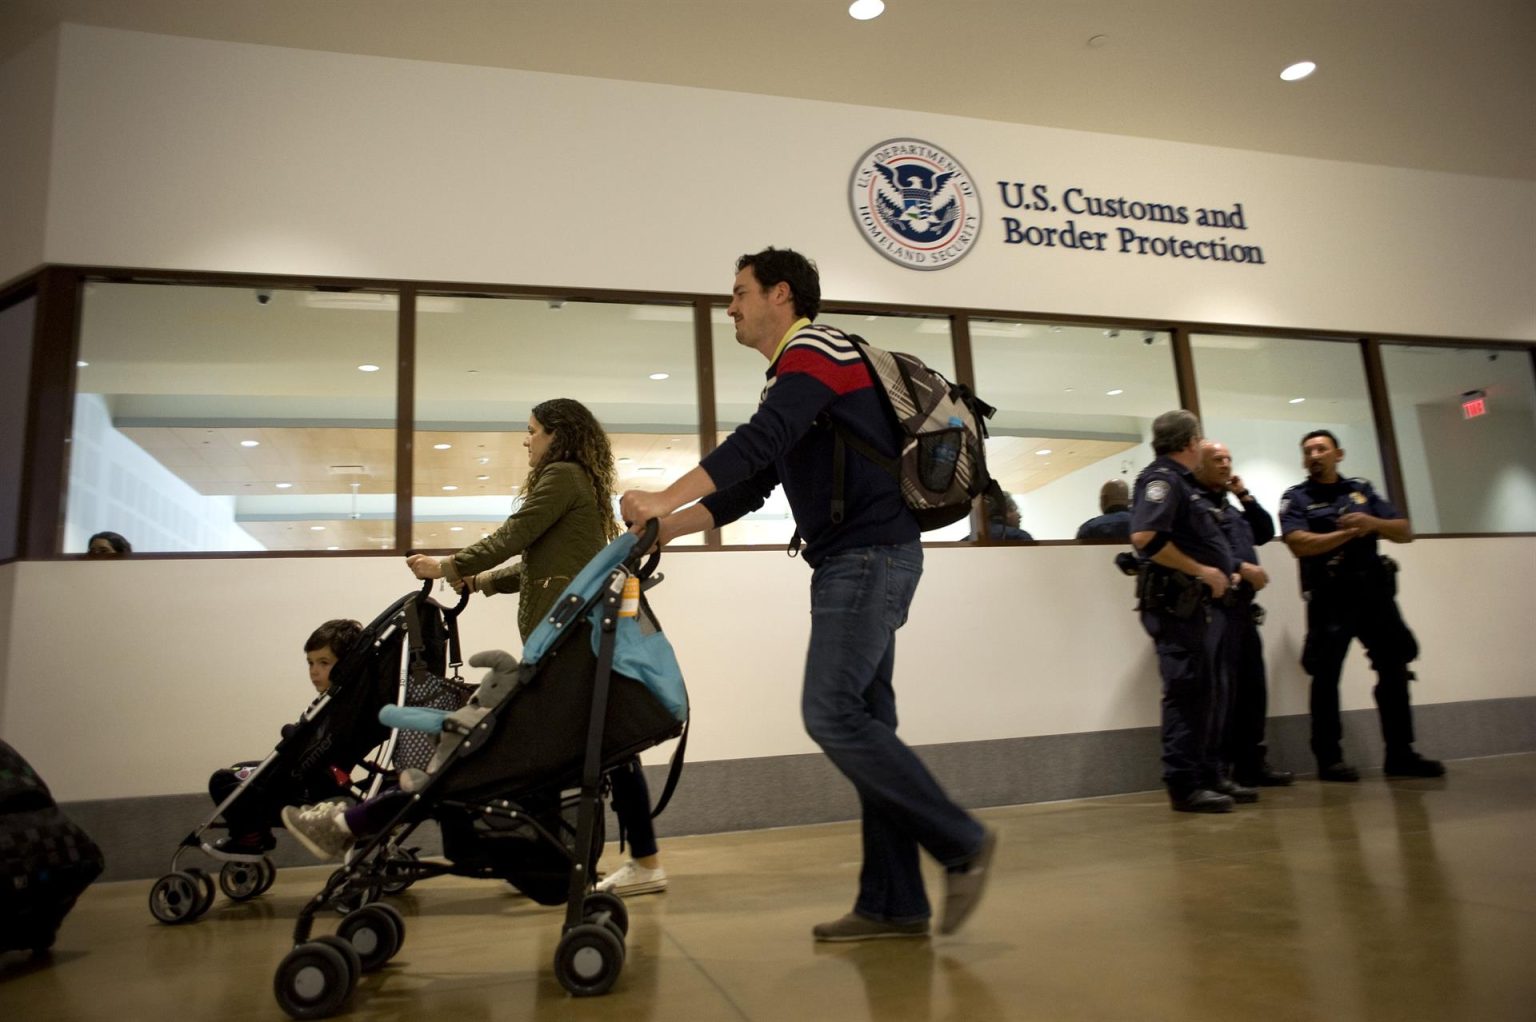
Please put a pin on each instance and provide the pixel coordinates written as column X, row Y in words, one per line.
column 1247, row 527
column 108, row 544
column 864, row 573
column 250, row 821
column 1186, row 564
column 1114, row 521
column 565, row 518
column 1003, row 520
column 1332, row 524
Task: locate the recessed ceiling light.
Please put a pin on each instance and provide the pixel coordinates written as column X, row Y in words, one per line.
column 1297, row 71
column 450, row 487
column 81, row 365
column 482, row 478
column 660, row 376
column 1297, row 400
column 368, row 367
column 864, row 10
column 333, row 548
column 625, row 461
column 1113, row 393
column 484, row 461
column 441, row 447
column 651, row 470
column 1044, row 450
column 284, row 486
column 455, row 528
column 250, row 443
column 317, row 528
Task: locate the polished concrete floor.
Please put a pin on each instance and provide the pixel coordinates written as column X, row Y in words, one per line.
column 1400, row 900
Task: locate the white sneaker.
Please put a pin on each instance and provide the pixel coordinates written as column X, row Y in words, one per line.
column 321, row 828
column 633, row 878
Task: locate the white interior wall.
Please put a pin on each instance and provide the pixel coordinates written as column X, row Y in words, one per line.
column 174, row 152
column 139, row 677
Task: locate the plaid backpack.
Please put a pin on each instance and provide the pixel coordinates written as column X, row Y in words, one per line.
column 942, row 467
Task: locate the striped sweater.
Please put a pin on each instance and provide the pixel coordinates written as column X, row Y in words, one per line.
column 819, row 370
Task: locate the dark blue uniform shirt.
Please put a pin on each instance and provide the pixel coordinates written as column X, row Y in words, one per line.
column 1167, row 501
column 1316, row 507
column 1247, row 526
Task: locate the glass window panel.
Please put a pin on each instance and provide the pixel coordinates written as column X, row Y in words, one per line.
column 222, row 418
column 484, row 363
column 1465, row 472
column 739, row 383
column 1260, row 395
column 1074, row 409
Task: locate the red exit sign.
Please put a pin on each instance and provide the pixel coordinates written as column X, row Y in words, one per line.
column 1471, row 408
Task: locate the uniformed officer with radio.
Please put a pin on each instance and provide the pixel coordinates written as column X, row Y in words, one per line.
column 1332, row 524
column 1186, row 563
column 1247, row 527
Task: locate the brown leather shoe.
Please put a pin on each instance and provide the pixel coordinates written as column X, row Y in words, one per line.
column 856, row 927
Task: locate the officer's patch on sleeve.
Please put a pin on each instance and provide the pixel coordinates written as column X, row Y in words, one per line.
column 1157, row 491
column 1285, row 502
column 1357, row 497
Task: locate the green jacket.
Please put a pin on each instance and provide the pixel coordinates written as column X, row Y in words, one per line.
column 558, row 529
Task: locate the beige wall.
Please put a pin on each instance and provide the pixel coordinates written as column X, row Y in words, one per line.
column 184, row 153
column 26, row 119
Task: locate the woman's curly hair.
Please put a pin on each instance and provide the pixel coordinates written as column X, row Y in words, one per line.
column 576, row 436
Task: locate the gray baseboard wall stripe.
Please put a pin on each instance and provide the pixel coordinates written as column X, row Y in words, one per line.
column 139, row 835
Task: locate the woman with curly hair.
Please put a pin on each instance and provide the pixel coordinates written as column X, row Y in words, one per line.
column 565, row 518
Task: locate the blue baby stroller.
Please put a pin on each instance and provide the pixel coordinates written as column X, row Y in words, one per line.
column 400, row 658
column 598, row 683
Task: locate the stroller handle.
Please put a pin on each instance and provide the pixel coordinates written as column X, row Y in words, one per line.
column 647, row 540
column 426, row 591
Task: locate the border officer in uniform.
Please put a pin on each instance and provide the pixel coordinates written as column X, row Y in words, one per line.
column 1331, row 523
column 1247, row 527
column 1186, row 562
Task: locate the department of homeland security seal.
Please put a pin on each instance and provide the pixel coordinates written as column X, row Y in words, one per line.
column 915, row 203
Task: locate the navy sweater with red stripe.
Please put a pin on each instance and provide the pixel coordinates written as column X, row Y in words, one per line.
column 819, row 370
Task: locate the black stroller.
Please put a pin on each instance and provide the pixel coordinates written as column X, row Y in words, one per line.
column 400, row 657
column 598, row 683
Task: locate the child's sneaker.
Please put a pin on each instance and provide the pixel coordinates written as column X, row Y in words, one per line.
column 633, row 878
column 321, row 828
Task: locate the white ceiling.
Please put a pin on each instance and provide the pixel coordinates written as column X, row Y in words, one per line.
column 1445, row 85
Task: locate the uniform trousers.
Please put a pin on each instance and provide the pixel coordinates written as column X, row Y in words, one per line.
column 1336, row 615
column 1194, row 695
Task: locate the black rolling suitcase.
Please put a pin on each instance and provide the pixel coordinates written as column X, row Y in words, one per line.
column 45, row 860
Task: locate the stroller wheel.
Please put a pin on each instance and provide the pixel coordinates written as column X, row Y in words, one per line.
column 394, row 917
column 589, row 960
column 314, row 980
column 372, row 934
column 206, row 883
column 598, row 902
column 241, row 881
column 268, row 875
column 177, row 898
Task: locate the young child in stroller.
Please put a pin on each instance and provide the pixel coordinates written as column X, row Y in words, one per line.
column 250, row 825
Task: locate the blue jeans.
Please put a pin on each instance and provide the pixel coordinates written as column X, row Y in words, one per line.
column 858, row 600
